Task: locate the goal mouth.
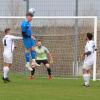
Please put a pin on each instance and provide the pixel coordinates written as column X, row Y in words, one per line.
column 63, row 35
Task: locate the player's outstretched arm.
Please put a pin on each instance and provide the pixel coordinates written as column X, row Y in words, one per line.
column 16, row 37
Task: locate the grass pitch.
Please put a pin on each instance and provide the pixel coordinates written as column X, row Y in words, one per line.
column 42, row 89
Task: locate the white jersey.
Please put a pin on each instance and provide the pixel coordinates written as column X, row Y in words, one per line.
column 89, row 60
column 8, row 43
column 90, row 46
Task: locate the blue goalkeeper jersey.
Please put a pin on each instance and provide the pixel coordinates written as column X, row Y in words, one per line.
column 27, row 34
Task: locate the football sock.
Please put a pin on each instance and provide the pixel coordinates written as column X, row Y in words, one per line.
column 86, row 78
column 33, row 54
column 33, row 71
column 49, row 71
column 27, row 57
column 5, row 71
column 28, row 64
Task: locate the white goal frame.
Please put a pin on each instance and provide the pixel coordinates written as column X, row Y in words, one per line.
column 66, row 17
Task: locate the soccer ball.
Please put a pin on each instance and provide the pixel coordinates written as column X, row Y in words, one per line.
column 32, row 10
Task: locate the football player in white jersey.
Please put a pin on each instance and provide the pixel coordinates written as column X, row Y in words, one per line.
column 8, row 44
column 88, row 58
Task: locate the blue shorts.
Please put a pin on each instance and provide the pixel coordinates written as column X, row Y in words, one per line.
column 29, row 42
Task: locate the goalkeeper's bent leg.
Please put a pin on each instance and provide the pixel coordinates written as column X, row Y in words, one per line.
column 32, row 72
column 49, row 71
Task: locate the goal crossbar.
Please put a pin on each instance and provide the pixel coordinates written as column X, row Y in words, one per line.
column 50, row 17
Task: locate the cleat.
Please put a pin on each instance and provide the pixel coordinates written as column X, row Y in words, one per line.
column 86, row 85
column 35, row 64
column 4, row 80
column 7, row 79
column 30, row 77
column 49, row 78
column 83, row 85
column 28, row 67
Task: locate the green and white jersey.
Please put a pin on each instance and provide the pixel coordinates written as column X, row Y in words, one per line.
column 41, row 53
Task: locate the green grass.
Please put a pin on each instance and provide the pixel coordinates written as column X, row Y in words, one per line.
column 42, row 89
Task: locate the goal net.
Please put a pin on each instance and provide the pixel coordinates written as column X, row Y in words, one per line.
column 64, row 36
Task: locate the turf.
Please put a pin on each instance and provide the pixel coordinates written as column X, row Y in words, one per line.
column 42, row 89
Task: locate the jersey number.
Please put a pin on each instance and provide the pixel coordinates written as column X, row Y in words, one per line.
column 5, row 44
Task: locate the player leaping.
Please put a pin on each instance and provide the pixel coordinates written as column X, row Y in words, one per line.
column 28, row 40
column 8, row 44
column 89, row 58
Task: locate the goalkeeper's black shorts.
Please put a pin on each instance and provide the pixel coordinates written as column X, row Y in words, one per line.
column 42, row 62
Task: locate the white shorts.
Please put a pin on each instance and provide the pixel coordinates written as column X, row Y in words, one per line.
column 8, row 57
column 88, row 63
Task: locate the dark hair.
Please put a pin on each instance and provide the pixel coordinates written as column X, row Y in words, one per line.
column 90, row 36
column 7, row 30
column 29, row 14
column 39, row 40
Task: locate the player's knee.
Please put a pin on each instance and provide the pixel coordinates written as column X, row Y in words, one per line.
column 32, row 49
column 10, row 65
column 47, row 65
column 85, row 71
column 27, row 50
column 33, row 66
column 88, row 71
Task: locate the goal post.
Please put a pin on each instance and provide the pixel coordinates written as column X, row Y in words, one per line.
column 95, row 56
column 62, row 22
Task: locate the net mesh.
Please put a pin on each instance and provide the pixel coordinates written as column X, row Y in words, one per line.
column 58, row 35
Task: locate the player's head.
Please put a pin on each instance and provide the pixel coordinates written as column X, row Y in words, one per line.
column 89, row 36
column 7, row 31
column 29, row 16
column 39, row 43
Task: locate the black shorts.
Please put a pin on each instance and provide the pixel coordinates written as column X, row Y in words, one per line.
column 42, row 62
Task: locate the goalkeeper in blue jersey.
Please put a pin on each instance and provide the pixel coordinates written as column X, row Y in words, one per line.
column 28, row 40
